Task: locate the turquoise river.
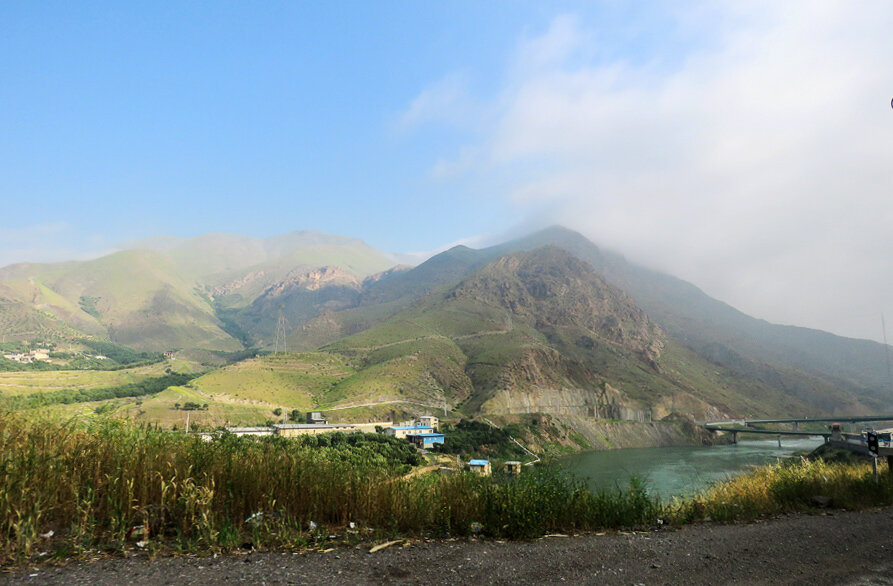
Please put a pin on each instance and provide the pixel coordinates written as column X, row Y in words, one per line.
column 680, row 471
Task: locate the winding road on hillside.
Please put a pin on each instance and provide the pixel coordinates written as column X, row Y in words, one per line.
column 832, row 548
column 431, row 337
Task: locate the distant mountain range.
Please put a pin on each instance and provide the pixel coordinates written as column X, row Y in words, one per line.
column 546, row 323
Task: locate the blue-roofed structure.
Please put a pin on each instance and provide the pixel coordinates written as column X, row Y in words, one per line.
column 425, row 440
column 482, row 467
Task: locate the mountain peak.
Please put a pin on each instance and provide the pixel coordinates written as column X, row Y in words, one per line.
column 556, row 290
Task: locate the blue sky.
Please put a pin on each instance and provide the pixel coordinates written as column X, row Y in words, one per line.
column 745, row 147
column 126, row 119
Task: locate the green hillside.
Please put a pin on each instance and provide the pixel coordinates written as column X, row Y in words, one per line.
column 186, row 295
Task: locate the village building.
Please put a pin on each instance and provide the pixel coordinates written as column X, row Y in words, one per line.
column 401, row 431
column 481, row 467
column 513, row 468
column 295, row 429
column 373, row 427
column 429, row 421
column 423, row 421
column 425, row 440
column 240, row 431
column 316, row 418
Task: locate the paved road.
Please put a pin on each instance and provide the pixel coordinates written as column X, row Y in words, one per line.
column 837, row 548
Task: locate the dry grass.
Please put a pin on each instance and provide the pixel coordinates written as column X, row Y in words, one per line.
column 791, row 486
column 91, row 485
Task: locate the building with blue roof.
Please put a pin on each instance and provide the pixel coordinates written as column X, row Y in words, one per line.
column 482, row 467
column 425, row 440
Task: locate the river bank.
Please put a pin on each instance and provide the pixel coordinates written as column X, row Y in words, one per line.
column 833, row 547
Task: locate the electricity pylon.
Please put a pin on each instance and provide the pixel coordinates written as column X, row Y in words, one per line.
column 280, row 345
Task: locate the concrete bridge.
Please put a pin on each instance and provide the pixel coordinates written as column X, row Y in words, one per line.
column 736, row 426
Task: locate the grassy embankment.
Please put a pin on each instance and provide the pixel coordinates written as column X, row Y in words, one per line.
column 69, row 489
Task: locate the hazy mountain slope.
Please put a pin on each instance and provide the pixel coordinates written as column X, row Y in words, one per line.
column 726, row 335
column 214, row 257
column 804, row 363
column 297, row 298
column 238, row 288
column 137, row 298
column 541, row 331
column 185, row 295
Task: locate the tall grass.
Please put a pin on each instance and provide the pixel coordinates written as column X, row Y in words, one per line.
column 92, row 484
column 790, row 486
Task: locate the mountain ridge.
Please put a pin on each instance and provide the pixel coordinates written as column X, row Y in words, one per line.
column 628, row 327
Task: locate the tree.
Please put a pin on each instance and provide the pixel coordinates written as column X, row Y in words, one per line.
column 277, row 411
column 294, row 415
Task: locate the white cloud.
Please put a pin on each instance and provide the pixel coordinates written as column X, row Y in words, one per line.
column 758, row 168
column 445, row 100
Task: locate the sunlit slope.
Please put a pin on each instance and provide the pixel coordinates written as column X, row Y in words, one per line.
column 30, row 382
column 293, row 381
column 138, row 298
column 22, row 321
column 166, row 408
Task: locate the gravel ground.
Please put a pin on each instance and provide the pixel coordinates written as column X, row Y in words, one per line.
column 831, row 548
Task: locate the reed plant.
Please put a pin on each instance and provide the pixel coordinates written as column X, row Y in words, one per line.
column 74, row 488
column 789, row 486
column 107, row 485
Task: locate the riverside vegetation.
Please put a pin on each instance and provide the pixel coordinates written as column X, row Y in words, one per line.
column 70, row 489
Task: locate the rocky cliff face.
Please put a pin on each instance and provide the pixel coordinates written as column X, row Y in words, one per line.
column 553, row 290
column 313, row 280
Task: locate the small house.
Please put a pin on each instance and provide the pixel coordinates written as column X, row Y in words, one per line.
column 316, row 418
column 513, row 468
column 401, row 431
column 429, row 421
column 425, row 440
column 481, row 467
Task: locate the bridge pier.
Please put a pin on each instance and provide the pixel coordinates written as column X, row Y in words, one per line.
column 796, row 426
column 779, row 440
column 734, row 437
